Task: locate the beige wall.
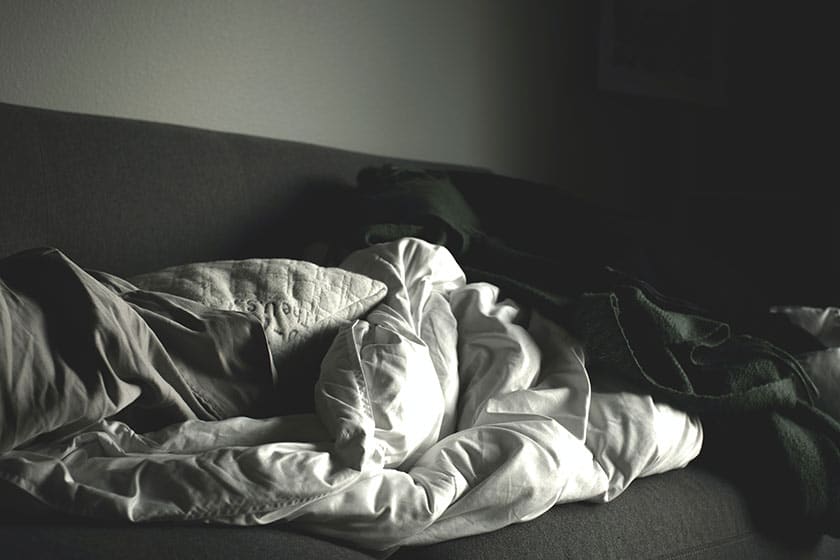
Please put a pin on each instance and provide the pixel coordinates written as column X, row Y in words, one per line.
column 478, row 82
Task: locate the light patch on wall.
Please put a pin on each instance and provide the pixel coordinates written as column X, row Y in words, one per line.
column 472, row 82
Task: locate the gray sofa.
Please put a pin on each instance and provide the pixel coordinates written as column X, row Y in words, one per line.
column 126, row 197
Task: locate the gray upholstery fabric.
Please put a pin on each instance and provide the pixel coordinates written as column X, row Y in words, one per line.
column 128, row 197
column 102, row 542
column 685, row 514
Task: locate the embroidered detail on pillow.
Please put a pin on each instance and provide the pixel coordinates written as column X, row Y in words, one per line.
column 300, row 305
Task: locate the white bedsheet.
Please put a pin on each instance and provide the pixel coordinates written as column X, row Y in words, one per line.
column 444, row 413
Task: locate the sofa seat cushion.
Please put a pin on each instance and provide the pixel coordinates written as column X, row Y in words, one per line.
column 105, row 542
column 686, row 514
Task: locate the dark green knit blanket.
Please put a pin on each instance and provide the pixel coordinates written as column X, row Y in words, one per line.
column 753, row 397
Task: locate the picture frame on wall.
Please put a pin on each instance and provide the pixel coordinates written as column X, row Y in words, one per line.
column 674, row 49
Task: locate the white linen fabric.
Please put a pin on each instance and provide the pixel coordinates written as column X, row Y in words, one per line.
column 822, row 322
column 295, row 301
column 444, row 412
column 823, row 366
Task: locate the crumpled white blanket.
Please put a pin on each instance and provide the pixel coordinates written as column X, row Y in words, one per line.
column 444, row 413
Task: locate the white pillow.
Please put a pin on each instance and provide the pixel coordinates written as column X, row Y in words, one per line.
column 300, row 305
column 822, row 322
column 823, row 366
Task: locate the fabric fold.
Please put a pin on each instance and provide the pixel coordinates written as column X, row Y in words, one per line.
column 443, row 412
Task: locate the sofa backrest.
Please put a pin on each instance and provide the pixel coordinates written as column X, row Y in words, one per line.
column 129, row 196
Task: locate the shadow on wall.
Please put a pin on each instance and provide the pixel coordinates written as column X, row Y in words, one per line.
column 508, row 86
column 711, row 100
